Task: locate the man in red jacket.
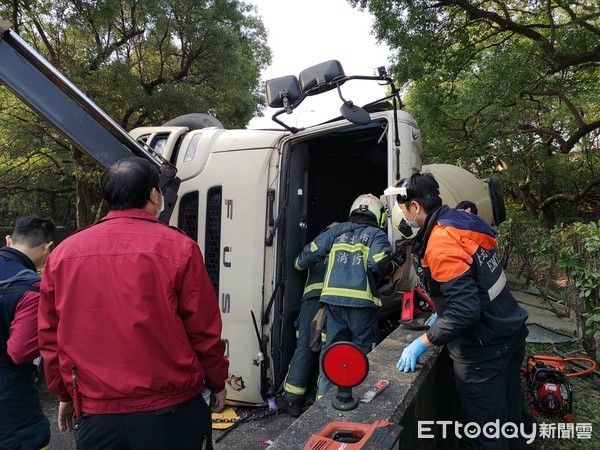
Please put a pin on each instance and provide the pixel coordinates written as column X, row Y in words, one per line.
column 129, row 326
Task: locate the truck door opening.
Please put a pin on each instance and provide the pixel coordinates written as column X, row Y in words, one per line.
column 322, row 176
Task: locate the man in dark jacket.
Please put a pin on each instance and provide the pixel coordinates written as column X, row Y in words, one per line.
column 130, row 327
column 22, row 423
column 479, row 320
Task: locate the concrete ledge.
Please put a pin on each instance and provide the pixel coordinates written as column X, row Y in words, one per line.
column 427, row 394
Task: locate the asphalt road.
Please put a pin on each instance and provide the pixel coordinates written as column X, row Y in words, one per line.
column 250, row 435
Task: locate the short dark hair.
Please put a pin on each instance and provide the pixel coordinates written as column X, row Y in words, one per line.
column 128, row 183
column 467, row 204
column 422, row 188
column 32, row 231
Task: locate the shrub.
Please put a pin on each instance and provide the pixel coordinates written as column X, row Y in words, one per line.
column 565, row 258
column 577, row 247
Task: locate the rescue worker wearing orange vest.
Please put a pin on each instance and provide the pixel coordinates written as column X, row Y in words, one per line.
column 359, row 251
column 479, row 321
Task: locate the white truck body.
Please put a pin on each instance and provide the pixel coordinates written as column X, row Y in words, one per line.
column 237, row 184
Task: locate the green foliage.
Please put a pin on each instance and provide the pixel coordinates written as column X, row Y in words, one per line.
column 517, row 234
column 507, row 86
column 145, row 62
column 578, row 248
column 565, row 258
column 35, row 171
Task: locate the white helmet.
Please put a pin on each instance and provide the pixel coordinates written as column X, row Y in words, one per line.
column 368, row 203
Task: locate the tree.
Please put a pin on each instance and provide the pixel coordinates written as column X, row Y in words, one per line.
column 510, row 87
column 144, row 62
column 35, row 166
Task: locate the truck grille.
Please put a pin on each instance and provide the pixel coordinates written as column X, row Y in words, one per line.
column 212, row 255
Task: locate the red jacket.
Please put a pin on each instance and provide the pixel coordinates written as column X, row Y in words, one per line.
column 128, row 305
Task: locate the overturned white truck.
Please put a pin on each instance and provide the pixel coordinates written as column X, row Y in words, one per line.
column 253, row 198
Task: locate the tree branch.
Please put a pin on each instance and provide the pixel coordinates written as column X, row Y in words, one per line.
column 566, row 101
column 576, row 19
column 556, row 61
column 45, row 40
column 570, row 197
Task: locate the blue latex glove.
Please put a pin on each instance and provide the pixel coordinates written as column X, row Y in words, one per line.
column 410, row 356
column 432, row 319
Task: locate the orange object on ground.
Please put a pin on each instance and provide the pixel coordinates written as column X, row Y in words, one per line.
column 380, row 435
column 548, row 387
column 560, row 363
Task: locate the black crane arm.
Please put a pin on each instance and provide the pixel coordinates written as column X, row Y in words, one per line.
column 48, row 92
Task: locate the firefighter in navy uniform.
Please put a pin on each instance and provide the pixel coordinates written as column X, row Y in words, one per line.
column 359, row 251
column 479, row 320
column 300, row 375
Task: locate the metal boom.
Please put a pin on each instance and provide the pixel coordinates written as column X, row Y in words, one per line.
column 48, row 92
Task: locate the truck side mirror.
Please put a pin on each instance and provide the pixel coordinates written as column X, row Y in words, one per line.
column 282, row 89
column 322, row 77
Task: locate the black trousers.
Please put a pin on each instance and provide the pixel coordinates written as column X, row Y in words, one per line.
column 491, row 390
column 186, row 426
column 23, row 425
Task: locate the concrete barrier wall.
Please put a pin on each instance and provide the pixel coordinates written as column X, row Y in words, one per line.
column 427, row 394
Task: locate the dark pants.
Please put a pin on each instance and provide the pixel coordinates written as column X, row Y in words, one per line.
column 357, row 325
column 23, row 425
column 303, row 362
column 186, row 426
column 491, row 390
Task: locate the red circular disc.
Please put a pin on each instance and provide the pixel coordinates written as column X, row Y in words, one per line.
column 345, row 365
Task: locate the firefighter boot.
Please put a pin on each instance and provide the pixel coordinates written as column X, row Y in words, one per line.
column 293, row 409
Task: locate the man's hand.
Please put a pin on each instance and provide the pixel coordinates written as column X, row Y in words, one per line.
column 399, row 256
column 410, row 356
column 219, row 402
column 65, row 416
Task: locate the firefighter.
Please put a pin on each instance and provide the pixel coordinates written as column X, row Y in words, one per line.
column 359, row 251
column 298, row 380
column 479, row 321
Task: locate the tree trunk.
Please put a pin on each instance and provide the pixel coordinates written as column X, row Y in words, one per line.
column 532, row 204
column 82, row 190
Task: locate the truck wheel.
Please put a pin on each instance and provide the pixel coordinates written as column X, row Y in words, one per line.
column 497, row 197
column 194, row 121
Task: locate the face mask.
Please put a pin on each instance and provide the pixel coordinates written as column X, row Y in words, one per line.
column 413, row 223
column 162, row 205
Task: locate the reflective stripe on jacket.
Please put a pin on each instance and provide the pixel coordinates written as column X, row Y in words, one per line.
column 356, row 252
column 314, row 280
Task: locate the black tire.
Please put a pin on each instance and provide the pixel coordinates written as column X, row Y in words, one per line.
column 194, row 121
column 497, row 198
